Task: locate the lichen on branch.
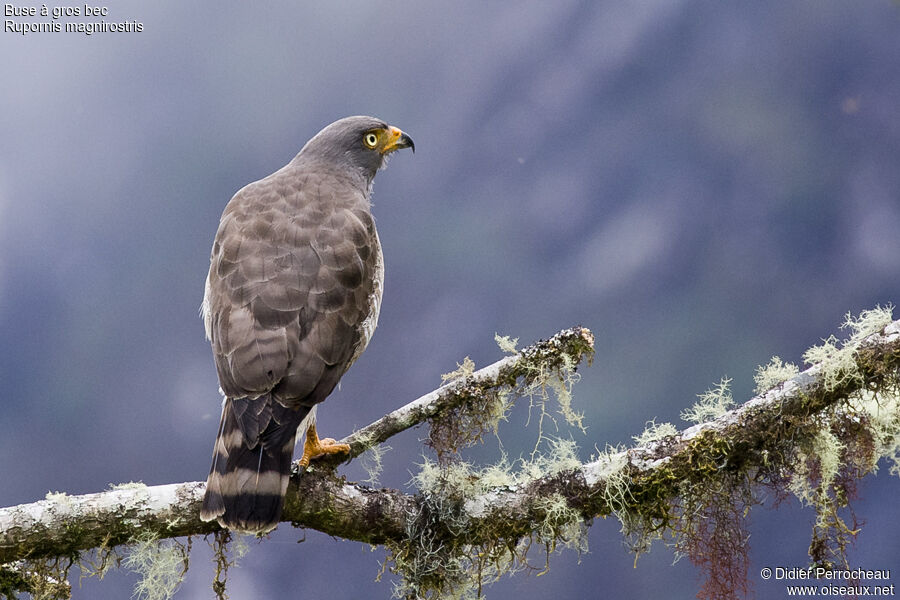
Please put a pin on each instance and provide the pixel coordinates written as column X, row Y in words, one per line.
column 808, row 434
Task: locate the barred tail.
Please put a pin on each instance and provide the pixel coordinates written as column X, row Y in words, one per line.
column 247, row 481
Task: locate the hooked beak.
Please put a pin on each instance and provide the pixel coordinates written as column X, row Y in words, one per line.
column 397, row 140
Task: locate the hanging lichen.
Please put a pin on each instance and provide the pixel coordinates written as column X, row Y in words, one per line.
column 446, row 554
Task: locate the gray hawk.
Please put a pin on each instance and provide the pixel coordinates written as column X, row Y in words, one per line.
column 291, row 300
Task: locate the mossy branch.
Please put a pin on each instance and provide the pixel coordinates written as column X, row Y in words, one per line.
column 63, row 525
column 486, row 517
column 738, row 439
column 568, row 347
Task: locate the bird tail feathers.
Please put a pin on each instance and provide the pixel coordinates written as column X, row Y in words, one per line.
column 247, row 481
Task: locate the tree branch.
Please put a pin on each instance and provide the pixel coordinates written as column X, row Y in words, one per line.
column 644, row 479
column 63, row 525
column 751, row 430
column 569, row 346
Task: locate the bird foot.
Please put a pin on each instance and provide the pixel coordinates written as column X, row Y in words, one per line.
column 313, row 447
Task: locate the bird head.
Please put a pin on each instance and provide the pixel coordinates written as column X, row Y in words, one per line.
column 361, row 144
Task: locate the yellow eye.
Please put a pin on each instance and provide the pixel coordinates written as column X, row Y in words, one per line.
column 370, row 140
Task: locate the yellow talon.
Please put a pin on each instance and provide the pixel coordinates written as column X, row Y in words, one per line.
column 314, row 447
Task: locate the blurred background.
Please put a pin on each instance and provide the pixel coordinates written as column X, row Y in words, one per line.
column 702, row 184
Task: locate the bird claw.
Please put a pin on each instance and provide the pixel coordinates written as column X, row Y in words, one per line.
column 313, row 447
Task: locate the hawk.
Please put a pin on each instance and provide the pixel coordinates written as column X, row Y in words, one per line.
column 291, row 300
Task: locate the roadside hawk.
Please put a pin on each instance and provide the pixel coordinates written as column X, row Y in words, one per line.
column 291, row 300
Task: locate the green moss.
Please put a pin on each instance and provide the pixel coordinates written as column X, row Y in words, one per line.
column 617, row 492
column 11, row 582
column 130, row 485
column 882, row 413
column 464, row 481
column 463, row 370
column 837, row 358
column 544, row 383
column 371, row 459
column 478, row 410
column 654, row 432
column 445, row 555
column 507, row 345
column 709, row 454
column 816, row 465
column 774, row 373
column 448, row 556
column 160, row 564
column 560, row 524
column 712, row 404
column 41, row 579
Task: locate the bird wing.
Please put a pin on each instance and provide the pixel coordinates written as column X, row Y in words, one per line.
column 290, row 286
